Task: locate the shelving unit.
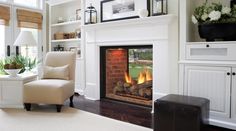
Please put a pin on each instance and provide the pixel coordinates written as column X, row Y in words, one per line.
column 66, row 9
column 207, row 69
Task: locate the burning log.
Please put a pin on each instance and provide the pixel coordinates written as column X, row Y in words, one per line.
column 134, row 90
column 145, row 92
column 147, row 84
column 118, row 88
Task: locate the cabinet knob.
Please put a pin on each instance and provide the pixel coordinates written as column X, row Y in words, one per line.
column 233, row 73
column 228, row 73
column 207, row 45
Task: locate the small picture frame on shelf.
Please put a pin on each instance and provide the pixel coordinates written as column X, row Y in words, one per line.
column 78, row 14
column 76, row 50
column 112, row 10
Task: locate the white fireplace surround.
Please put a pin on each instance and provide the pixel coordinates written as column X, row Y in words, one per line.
column 155, row 31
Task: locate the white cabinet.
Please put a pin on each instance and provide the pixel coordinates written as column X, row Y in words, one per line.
column 11, row 90
column 233, row 102
column 221, row 51
column 213, row 83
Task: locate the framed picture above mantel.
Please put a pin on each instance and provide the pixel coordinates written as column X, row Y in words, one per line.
column 112, row 10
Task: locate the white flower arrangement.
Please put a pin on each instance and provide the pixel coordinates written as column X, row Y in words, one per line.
column 214, row 13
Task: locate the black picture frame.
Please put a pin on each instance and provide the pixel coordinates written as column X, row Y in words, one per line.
column 123, row 18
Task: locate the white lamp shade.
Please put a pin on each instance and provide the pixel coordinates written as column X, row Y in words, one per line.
column 25, row 38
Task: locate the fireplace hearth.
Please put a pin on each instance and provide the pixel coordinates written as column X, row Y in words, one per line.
column 126, row 74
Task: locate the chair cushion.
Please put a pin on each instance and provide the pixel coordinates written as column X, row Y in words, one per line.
column 61, row 72
column 48, row 91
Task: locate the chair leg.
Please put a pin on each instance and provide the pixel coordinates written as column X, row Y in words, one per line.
column 27, row 106
column 58, row 108
column 71, row 101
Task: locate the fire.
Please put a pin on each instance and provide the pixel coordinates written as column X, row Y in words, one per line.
column 128, row 78
column 148, row 75
column 143, row 76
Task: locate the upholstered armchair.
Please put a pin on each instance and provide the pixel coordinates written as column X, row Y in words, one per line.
column 57, row 83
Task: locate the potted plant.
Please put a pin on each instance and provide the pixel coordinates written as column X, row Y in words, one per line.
column 16, row 64
column 215, row 21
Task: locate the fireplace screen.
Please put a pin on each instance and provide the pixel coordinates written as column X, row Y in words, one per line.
column 126, row 74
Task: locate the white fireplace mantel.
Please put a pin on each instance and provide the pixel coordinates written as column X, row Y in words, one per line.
column 160, row 20
column 156, row 31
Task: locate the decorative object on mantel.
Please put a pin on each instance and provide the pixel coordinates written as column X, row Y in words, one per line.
column 215, row 22
column 112, row 10
column 159, row 7
column 143, row 13
column 90, row 15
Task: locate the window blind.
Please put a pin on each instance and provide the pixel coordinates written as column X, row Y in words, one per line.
column 4, row 15
column 29, row 19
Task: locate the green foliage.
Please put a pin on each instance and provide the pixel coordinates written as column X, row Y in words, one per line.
column 202, row 12
column 21, row 60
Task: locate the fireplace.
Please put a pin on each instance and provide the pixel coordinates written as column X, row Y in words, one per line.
column 126, row 73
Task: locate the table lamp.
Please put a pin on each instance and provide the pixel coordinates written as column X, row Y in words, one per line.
column 25, row 38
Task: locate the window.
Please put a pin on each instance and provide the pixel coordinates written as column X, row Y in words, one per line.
column 30, row 3
column 32, row 51
column 2, row 41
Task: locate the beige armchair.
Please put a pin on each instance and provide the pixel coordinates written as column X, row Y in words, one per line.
column 57, row 84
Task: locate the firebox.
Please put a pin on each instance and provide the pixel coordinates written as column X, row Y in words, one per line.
column 126, row 73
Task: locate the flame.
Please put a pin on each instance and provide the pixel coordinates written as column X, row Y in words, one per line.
column 148, row 75
column 143, row 76
column 128, row 78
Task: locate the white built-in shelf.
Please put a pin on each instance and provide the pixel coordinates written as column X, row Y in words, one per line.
column 66, row 23
column 66, row 40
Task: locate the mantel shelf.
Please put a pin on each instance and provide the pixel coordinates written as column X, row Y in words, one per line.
column 154, row 20
column 66, row 23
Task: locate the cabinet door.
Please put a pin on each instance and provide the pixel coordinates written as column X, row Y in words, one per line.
column 12, row 92
column 233, row 102
column 212, row 83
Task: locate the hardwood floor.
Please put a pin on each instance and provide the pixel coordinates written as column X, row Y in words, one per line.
column 138, row 115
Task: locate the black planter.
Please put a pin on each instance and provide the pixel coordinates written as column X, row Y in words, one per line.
column 212, row 32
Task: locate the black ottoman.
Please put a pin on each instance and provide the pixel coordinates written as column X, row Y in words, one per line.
column 180, row 113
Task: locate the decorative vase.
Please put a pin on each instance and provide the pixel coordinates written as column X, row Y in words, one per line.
column 212, row 32
column 12, row 72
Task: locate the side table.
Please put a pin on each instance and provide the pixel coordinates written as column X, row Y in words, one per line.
column 11, row 90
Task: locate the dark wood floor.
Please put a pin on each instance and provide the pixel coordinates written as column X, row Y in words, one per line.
column 138, row 115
